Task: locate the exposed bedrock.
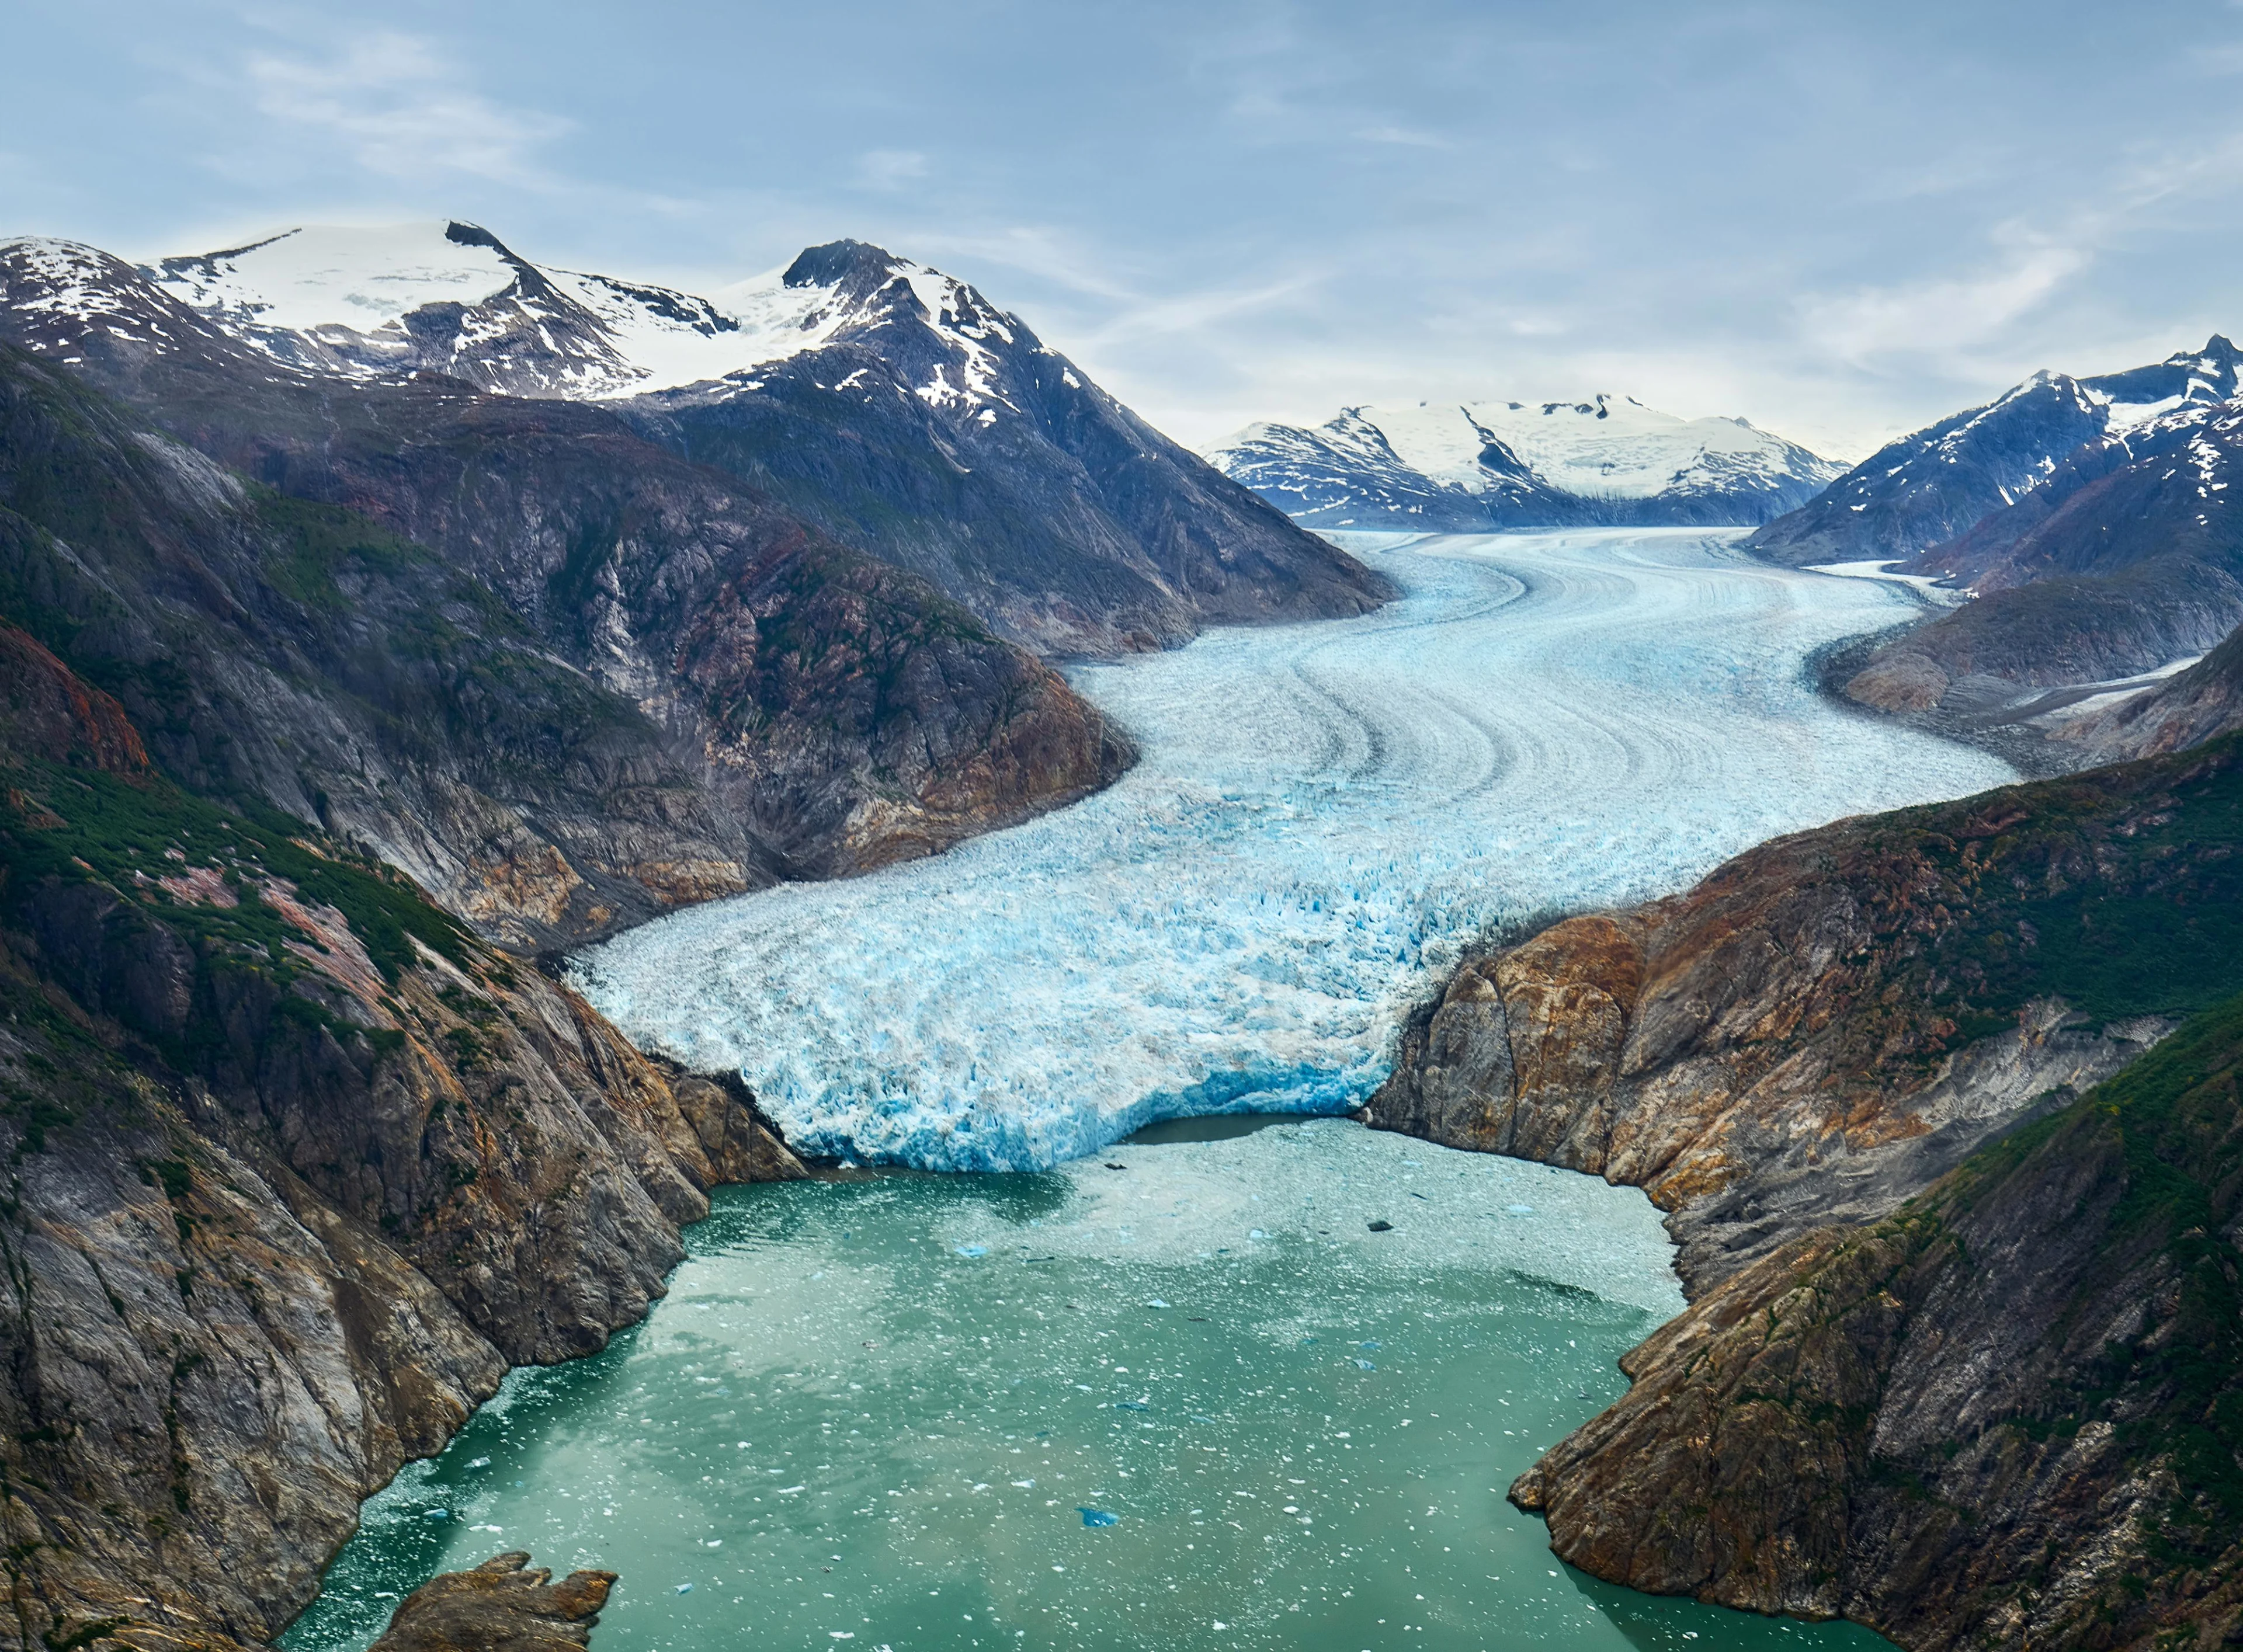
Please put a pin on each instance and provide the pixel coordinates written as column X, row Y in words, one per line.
column 504, row 1605
column 2010, row 1414
column 1783, row 1057
column 293, row 1167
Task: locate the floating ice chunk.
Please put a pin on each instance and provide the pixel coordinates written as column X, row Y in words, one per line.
column 1520, row 1210
column 439, row 1514
column 1026, row 1485
column 685, row 1588
column 1157, row 1302
column 480, row 1462
column 972, row 1250
column 1256, row 1233
column 1364, row 1365
column 1098, row 1517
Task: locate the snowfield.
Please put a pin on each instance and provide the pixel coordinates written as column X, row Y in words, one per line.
column 1325, row 815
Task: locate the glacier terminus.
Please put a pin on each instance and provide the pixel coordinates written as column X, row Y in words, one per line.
column 1325, row 816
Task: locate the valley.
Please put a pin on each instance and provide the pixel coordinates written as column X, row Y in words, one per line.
column 569, row 845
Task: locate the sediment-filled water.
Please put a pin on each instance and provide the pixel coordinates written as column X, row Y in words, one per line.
column 900, row 1411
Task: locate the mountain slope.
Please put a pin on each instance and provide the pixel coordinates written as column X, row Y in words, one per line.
column 1485, row 465
column 1930, row 487
column 2127, row 556
column 564, row 677
column 2010, row 1414
column 890, row 405
column 2198, row 704
column 297, row 1167
column 2004, row 1414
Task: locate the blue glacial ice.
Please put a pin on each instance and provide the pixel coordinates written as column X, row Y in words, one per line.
column 1324, row 816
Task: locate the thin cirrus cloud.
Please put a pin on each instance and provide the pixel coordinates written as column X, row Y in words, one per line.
column 401, row 109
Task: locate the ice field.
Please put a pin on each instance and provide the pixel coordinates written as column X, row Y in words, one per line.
column 1325, row 815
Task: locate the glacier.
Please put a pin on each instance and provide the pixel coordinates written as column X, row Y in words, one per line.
column 1325, row 816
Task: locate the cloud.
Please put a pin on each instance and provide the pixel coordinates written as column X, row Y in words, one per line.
column 1949, row 314
column 403, row 110
column 1403, row 135
column 889, row 168
column 1040, row 252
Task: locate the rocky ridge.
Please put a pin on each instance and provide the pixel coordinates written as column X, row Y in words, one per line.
column 889, row 405
column 1784, row 1056
column 297, row 1166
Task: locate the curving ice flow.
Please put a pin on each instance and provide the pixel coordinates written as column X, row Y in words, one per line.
column 1325, row 815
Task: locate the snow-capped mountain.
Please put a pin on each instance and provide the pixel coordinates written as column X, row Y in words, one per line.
column 1930, row 488
column 1462, row 467
column 889, row 404
column 451, row 298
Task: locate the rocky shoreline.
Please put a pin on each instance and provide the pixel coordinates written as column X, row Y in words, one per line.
column 1927, row 1378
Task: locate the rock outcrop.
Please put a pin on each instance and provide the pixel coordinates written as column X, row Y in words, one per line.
column 504, row 1605
column 1833, row 1019
column 296, row 1166
column 2010, row 1414
column 1999, row 1412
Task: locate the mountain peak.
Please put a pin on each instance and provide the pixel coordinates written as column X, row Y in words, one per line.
column 841, row 263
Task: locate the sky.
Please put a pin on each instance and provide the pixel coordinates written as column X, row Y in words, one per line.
column 1839, row 220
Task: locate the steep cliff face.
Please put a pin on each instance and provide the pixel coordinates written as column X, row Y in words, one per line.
column 1832, row 1020
column 2009, row 1416
column 561, row 677
column 296, row 1166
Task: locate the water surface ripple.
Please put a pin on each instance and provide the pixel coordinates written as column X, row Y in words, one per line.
column 1325, row 815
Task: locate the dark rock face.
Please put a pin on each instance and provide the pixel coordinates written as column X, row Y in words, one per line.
column 1932, row 488
column 563, row 678
column 1974, row 1416
column 2007, row 1415
column 298, row 1167
column 504, row 1605
column 954, row 443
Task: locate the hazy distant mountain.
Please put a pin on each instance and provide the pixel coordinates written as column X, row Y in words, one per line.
column 1475, row 465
